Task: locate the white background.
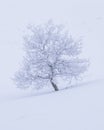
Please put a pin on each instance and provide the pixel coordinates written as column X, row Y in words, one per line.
column 84, row 19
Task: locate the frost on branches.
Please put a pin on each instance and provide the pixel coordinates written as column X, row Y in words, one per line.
column 50, row 53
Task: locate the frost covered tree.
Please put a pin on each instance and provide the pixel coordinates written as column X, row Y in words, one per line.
column 50, row 53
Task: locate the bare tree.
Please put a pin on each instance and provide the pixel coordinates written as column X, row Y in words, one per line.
column 50, row 53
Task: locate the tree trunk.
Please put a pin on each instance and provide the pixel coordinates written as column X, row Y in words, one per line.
column 54, row 86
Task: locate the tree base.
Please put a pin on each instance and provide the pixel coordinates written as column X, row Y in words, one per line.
column 54, row 86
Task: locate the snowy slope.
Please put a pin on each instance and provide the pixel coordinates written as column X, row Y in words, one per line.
column 79, row 108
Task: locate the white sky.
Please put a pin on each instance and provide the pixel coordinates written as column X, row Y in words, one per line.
column 84, row 18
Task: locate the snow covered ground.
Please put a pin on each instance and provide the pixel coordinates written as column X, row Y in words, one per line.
column 79, row 108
